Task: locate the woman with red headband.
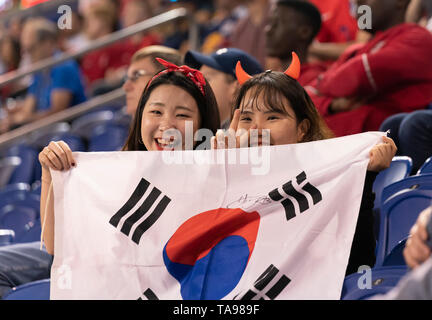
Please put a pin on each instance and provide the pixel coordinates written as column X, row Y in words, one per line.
column 173, row 97
column 277, row 102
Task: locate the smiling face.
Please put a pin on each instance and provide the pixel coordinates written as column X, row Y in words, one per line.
column 168, row 107
column 284, row 128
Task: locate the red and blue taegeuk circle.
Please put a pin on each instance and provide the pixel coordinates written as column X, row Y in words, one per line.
column 209, row 252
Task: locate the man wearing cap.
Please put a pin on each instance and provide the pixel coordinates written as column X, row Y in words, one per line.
column 219, row 70
column 293, row 25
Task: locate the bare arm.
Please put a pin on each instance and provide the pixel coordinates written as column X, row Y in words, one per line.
column 332, row 51
column 56, row 156
column 60, row 100
column 23, row 112
column 47, row 211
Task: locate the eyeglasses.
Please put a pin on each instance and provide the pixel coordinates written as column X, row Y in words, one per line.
column 136, row 75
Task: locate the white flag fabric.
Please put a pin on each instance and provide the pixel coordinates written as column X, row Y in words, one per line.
column 275, row 222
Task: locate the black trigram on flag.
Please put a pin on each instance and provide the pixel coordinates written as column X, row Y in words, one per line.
column 148, row 295
column 268, row 286
column 145, row 207
column 301, row 199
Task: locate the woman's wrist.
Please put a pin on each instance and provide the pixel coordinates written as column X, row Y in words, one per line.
column 46, row 176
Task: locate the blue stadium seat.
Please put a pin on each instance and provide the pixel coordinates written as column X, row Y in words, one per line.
column 108, row 137
column 398, row 214
column 15, row 188
column 36, row 290
column 85, row 124
column 383, row 280
column 109, row 107
column 41, row 137
column 29, row 158
column 6, row 237
column 8, row 166
column 122, row 118
column 17, row 218
column 426, row 167
column 399, row 169
column 418, row 182
column 74, row 141
column 36, row 188
column 14, row 192
column 32, row 232
column 395, row 257
column 23, row 198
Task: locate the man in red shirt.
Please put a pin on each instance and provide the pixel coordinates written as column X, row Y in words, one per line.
column 293, row 24
column 389, row 74
column 134, row 11
column 338, row 24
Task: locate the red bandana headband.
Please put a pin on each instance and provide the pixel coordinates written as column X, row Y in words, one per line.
column 193, row 74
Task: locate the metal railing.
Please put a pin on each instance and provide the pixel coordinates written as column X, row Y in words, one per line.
column 65, row 115
column 73, row 112
column 103, row 42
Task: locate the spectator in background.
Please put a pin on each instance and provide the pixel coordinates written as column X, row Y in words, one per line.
column 10, row 53
column 98, row 22
column 249, row 34
column 412, row 133
column 391, row 73
column 10, row 57
column 420, row 11
column 15, row 26
column 85, row 5
column 134, row 11
column 293, row 24
column 218, row 30
column 53, row 89
column 419, row 245
column 117, row 56
column 219, row 70
column 177, row 32
column 339, row 29
column 339, row 20
column 73, row 39
column 417, row 284
column 142, row 67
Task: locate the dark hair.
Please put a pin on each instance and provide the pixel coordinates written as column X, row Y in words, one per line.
column 207, row 106
column 16, row 51
column 275, row 85
column 310, row 13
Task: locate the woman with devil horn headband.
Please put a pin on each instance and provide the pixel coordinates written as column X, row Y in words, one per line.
column 275, row 102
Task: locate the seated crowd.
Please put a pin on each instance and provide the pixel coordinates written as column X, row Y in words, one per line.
column 325, row 78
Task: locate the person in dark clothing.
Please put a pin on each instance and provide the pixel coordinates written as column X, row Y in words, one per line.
column 276, row 101
column 412, row 133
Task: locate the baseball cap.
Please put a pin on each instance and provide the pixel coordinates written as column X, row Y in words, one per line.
column 224, row 60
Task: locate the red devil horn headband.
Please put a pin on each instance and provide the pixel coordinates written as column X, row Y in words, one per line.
column 193, row 74
column 293, row 70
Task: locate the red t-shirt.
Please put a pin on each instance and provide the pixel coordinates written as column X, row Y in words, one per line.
column 96, row 63
column 393, row 71
column 338, row 25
